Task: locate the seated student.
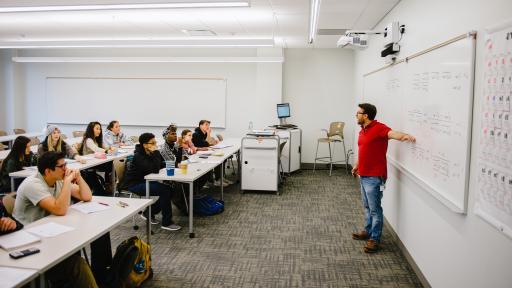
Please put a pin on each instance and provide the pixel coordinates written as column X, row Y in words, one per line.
column 92, row 142
column 20, row 156
column 146, row 160
column 49, row 192
column 185, row 142
column 114, row 137
column 199, row 138
column 54, row 142
column 7, row 223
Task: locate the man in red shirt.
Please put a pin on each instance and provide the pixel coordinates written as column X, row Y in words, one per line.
column 371, row 167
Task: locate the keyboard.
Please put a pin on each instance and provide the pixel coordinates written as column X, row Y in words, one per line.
column 286, row 126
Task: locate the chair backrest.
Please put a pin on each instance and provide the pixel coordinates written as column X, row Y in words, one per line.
column 8, row 201
column 220, row 137
column 78, row 133
column 3, row 133
column 135, row 139
column 336, row 129
column 34, row 141
column 19, row 131
column 2, row 147
column 119, row 166
column 63, row 136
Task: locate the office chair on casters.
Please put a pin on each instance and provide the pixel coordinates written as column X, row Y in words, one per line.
column 334, row 135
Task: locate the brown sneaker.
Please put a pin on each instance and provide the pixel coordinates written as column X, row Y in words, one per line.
column 371, row 246
column 363, row 235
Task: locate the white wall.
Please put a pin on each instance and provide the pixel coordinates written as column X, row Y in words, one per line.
column 318, row 83
column 452, row 250
column 252, row 93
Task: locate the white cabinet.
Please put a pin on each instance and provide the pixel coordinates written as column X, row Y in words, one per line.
column 260, row 165
column 291, row 154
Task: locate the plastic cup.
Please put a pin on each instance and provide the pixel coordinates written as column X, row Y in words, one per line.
column 184, row 166
column 169, row 167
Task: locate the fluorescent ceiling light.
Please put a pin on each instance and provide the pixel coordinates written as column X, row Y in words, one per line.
column 186, row 42
column 313, row 19
column 198, row 4
column 148, row 59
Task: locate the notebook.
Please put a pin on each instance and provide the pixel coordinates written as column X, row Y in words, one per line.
column 17, row 239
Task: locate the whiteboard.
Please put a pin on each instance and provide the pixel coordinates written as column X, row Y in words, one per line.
column 430, row 96
column 494, row 194
column 136, row 101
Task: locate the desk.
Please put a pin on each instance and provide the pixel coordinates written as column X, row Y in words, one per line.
column 91, row 162
column 33, row 148
column 88, row 227
column 196, row 169
column 10, row 138
column 16, row 277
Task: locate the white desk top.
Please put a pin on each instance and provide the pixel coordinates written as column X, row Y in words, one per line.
column 88, row 227
column 14, row 136
column 33, row 148
column 16, row 277
column 199, row 166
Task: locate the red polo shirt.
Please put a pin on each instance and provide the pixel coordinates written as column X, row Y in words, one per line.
column 373, row 144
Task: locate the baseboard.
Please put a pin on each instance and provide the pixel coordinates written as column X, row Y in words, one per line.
column 408, row 256
column 323, row 166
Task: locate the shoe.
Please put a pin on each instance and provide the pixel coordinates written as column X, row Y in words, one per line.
column 172, row 227
column 153, row 220
column 371, row 246
column 363, row 235
column 216, row 183
column 228, row 181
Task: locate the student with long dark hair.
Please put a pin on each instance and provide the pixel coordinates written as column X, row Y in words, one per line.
column 19, row 157
column 93, row 140
column 54, row 142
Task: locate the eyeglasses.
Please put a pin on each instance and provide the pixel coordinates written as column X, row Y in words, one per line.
column 62, row 165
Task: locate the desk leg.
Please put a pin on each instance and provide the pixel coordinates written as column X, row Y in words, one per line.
column 114, row 186
column 222, row 181
column 42, row 280
column 148, row 223
column 191, row 210
column 12, row 185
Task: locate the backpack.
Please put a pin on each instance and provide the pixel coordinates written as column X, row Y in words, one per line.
column 207, row 206
column 131, row 265
column 95, row 182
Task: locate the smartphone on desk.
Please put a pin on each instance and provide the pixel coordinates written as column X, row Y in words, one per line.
column 23, row 253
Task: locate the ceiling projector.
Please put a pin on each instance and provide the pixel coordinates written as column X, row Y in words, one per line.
column 353, row 40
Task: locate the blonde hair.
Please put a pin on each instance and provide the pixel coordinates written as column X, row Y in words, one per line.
column 51, row 145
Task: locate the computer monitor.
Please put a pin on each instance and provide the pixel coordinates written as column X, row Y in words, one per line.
column 283, row 111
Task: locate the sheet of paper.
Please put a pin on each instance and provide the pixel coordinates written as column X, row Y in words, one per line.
column 90, row 207
column 31, row 168
column 11, row 277
column 221, row 146
column 17, row 239
column 204, row 152
column 50, row 229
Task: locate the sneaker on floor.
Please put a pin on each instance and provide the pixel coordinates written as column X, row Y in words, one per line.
column 172, row 227
column 153, row 220
column 371, row 246
column 216, row 183
column 363, row 235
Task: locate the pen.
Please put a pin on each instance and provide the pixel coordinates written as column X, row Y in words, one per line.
column 105, row 204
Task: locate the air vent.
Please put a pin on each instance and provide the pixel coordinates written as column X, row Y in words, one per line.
column 199, row 32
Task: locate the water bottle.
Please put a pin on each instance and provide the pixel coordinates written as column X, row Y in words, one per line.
column 250, row 125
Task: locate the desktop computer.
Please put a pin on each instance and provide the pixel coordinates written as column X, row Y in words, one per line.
column 283, row 112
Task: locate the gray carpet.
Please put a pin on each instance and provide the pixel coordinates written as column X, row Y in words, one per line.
column 299, row 239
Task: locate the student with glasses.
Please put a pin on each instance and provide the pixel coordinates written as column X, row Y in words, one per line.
column 20, row 156
column 146, row 160
column 49, row 192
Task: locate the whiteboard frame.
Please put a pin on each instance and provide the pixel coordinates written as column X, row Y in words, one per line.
column 418, row 180
column 138, row 78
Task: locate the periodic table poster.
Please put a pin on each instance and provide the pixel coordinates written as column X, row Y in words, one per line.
column 494, row 195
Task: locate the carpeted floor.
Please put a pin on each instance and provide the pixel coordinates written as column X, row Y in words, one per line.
column 301, row 238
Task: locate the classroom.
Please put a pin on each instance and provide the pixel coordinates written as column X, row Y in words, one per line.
column 255, row 143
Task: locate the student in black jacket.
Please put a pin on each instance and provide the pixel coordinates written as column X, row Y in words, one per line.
column 146, row 160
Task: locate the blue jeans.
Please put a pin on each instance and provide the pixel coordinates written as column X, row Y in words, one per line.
column 371, row 194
